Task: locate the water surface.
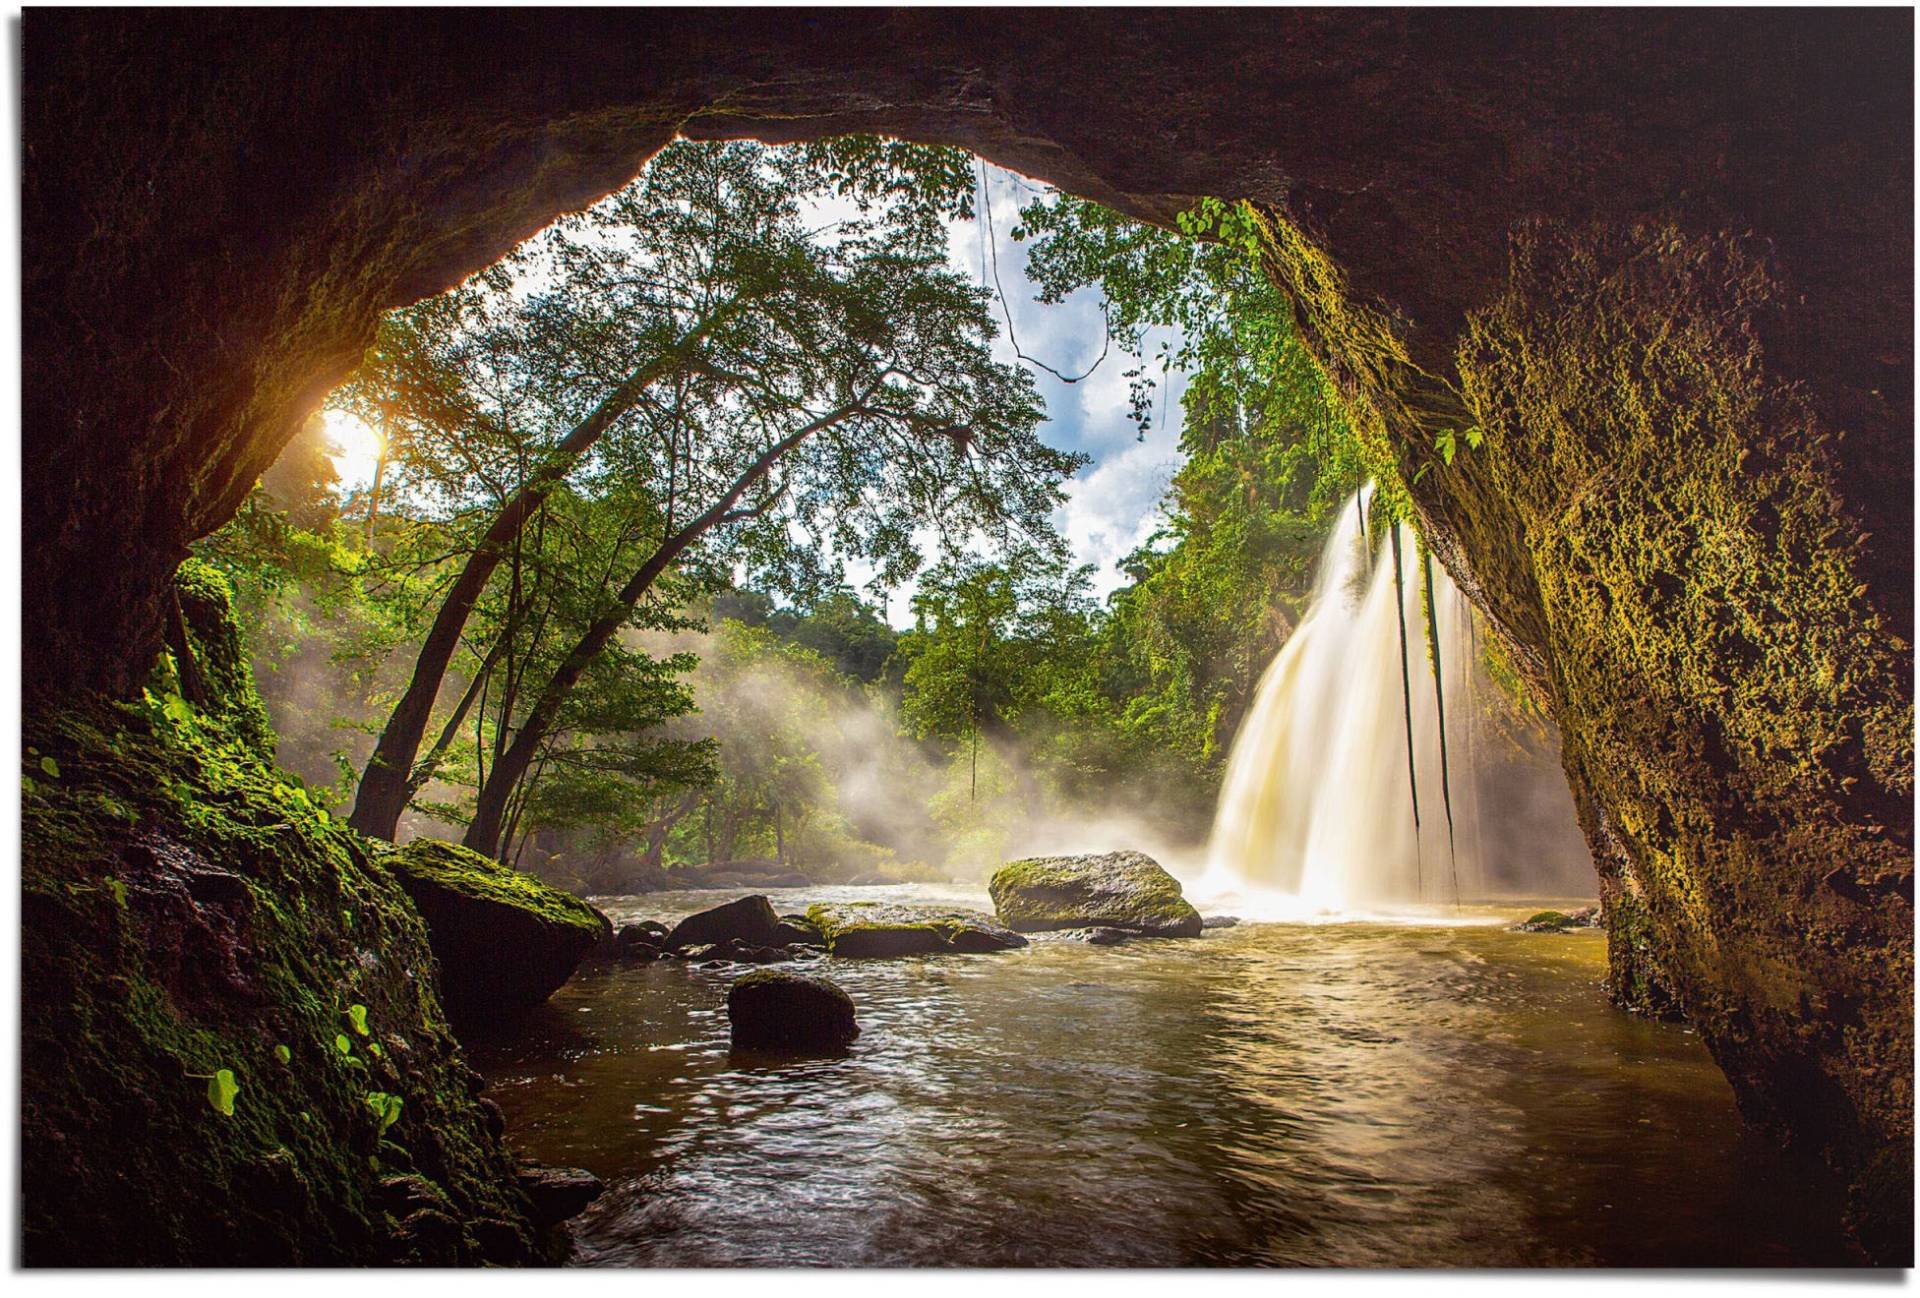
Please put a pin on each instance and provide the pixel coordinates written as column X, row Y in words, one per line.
column 1275, row 1094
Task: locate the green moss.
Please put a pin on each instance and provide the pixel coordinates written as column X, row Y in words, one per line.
column 1548, row 919
column 185, row 910
column 1121, row 890
column 219, row 650
column 869, row 928
column 462, row 870
column 1634, row 977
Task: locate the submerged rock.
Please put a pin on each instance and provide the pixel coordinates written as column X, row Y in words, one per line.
column 747, row 919
column 1097, row 936
column 505, row 940
column 1219, row 921
column 871, row 929
column 778, row 1009
column 1126, row 890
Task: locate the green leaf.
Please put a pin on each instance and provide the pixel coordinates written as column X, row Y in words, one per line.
column 221, row 1088
column 51, row 767
column 119, row 891
column 385, row 1107
column 357, row 1015
column 283, row 1054
column 343, row 1045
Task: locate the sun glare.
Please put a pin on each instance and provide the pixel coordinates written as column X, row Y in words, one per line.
column 356, row 449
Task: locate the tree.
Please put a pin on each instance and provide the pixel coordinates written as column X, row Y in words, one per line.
column 783, row 397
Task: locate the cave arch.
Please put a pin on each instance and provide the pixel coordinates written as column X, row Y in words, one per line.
column 1662, row 259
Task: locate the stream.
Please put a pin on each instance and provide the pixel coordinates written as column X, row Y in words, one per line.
column 1440, row 1092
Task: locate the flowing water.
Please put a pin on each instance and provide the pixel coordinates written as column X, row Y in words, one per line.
column 1384, row 1074
column 1317, row 807
column 1325, row 1094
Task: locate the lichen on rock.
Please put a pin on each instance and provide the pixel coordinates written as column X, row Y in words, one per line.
column 1122, row 890
column 876, row 930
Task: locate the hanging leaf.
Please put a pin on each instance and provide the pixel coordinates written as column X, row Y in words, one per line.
column 1440, row 706
column 51, row 767
column 1406, row 700
column 357, row 1015
column 221, row 1090
column 341, row 1043
column 283, row 1054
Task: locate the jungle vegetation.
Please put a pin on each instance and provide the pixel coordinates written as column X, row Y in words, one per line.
column 593, row 608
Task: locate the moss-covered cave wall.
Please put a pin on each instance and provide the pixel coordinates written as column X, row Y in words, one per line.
column 1662, row 259
column 233, row 1050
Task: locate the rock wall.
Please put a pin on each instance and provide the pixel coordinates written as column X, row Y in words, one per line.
column 232, row 1048
column 1661, row 260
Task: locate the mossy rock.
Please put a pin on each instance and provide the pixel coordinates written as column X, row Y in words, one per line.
column 778, row 1009
column 188, row 912
column 220, row 654
column 1126, row 890
column 859, row 930
column 504, row 940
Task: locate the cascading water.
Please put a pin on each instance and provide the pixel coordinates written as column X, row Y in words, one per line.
column 1316, row 812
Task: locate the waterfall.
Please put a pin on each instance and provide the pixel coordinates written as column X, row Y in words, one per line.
column 1315, row 812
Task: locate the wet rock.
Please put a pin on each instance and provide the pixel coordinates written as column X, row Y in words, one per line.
column 747, row 919
column 778, row 1009
column 877, row 930
column 800, row 933
column 1126, row 890
column 1098, row 936
column 1219, row 921
column 639, row 942
column 1547, row 921
column 504, row 940
column 557, row 1193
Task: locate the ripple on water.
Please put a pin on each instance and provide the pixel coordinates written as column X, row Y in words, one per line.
column 1317, row 1094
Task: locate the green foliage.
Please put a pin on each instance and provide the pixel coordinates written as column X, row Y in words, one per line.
column 386, row 1109
column 221, row 1090
column 357, row 1016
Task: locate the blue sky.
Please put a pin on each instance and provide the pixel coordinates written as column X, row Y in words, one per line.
column 1114, row 501
column 1113, row 504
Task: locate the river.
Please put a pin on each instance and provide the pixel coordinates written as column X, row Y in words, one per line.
column 1430, row 1093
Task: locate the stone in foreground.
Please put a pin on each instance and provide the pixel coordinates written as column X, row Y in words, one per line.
column 504, row 940
column 749, row 919
column 1125, row 890
column 778, row 1009
column 556, row 1193
column 875, row 930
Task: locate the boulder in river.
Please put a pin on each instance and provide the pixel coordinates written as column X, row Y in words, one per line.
column 779, row 1009
column 1554, row 921
column 748, row 919
column 1126, row 890
column 557, row 1193
column 1219, row 921
column 871, row 929
column 504, row 940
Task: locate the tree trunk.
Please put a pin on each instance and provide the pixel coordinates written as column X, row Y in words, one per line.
column 383, row 791
column 490, row 806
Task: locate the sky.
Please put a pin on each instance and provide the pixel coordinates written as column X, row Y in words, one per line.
column 1113, row 503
